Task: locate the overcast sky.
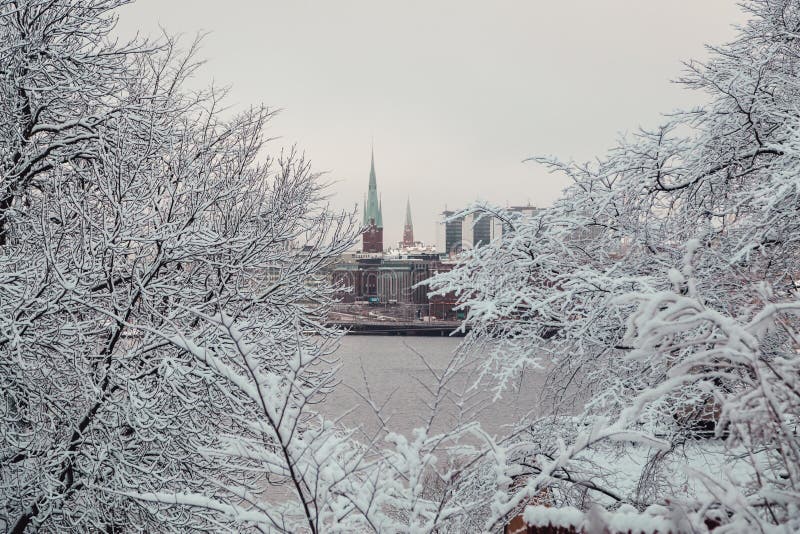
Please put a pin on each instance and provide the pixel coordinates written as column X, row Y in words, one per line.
column 455, row 93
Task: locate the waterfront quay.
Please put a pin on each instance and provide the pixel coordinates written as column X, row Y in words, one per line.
column 397, row 320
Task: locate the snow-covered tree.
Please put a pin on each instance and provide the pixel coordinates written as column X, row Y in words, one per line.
column 133, row 213
column 660, row 294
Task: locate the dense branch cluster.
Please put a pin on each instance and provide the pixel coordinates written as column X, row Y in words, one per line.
column 660, row 293
column 137, row 224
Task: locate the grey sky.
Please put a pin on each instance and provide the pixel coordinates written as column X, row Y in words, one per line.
column 455, row 93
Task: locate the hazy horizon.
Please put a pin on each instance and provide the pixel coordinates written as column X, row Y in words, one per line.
column 455, row 94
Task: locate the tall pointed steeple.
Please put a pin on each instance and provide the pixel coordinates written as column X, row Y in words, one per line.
column 373, row 181
column 408, row 228
column 372, row 206
column 373, row 214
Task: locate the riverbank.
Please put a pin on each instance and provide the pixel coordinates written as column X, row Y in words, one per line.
column 416, row 328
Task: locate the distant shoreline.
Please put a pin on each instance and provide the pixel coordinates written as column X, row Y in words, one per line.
column 439, row 328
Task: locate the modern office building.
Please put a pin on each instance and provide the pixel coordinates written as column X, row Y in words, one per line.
column 473, row 229
column 481, row 230
column 524, row 211
column 449, row 234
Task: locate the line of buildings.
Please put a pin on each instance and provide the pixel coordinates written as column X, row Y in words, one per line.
column 376, row 276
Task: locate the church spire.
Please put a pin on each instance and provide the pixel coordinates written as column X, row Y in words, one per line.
column 408, row 228
column 373, row 182
column 373, row 214
column 372, row 207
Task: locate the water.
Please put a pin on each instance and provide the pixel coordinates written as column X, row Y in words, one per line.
column 399, row 374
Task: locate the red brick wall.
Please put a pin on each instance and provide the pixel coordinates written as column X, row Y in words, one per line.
column 373, row 239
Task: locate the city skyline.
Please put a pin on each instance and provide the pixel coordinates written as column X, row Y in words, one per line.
column 456, row 109
column 196, row 228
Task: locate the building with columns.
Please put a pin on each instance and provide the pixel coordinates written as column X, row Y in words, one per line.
column 376, row 277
